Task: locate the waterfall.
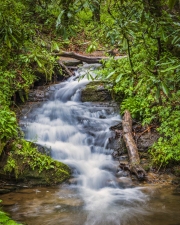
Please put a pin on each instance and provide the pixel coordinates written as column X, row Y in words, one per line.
column 78, row 135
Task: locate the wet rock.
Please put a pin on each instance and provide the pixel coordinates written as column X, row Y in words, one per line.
column 119, row 147
column 176, row 191
column 124, row 162
column 125, row 182
column 73, row 181
column 43, row 149
column 134, row 179
column 102, row 117
column 4, row 191
column 123, row 157
column 96, row 91
column 39, row 95
column 122, row 173
column 110, row 168
column 6, row 187
column 58, row 173
column 70, row 62
column 146, row 140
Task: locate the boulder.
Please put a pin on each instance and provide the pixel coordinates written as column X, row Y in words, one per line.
column 96, row 91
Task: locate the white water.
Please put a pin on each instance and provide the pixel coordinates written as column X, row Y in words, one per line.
column 78, row 136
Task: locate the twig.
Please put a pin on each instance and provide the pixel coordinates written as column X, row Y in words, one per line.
column 68, row 72
column 148, row 129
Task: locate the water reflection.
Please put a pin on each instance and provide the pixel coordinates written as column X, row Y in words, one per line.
column 64, row 205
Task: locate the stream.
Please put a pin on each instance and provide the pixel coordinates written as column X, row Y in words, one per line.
column 98, row 193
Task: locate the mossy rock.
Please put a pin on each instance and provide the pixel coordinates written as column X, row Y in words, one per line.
column 22, row 163
column 53, row 176
column 96, row 91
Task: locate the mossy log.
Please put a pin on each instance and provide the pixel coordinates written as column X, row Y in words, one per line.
column 134, row 159
column 83, row 58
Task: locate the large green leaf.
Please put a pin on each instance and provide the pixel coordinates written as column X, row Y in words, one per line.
column 165, row 89
column 110, row 74
column 170, row 68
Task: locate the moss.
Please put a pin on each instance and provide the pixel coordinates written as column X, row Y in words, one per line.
column 177, row 171
column 23, row 162
column 96, row 91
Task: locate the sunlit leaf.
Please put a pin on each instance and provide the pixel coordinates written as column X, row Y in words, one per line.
column 157, row 93
column 165, row 88
column 118, row 78
column 110, row 74
column 170, row 68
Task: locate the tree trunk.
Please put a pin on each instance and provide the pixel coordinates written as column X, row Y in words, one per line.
column 82, row 58
column 131, row 147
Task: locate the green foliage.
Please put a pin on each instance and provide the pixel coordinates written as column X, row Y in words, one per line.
column 92, row 47
column 23, row 55
column 5, row 219
column 148, row 78
column 168, row 146
column 8, row 126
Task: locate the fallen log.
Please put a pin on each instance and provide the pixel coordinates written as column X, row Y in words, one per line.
column 83, row 58
column 134, row 159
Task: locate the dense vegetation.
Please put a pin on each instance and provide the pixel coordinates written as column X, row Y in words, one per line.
column 148, row 78
column 147, row 32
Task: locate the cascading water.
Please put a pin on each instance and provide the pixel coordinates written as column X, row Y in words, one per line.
column 78, row 135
